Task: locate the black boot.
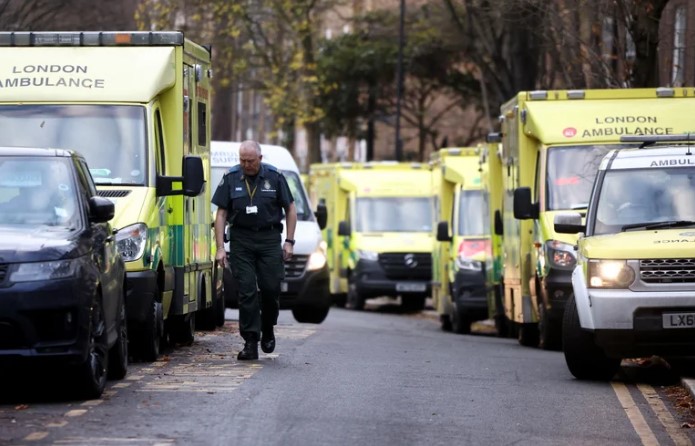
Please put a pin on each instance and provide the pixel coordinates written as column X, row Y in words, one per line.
column 268, row 340
column 250, row 350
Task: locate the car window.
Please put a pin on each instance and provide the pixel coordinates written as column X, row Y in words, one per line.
column 38, row 192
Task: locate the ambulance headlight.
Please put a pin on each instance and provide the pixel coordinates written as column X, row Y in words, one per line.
column 367, row 255
column 560, row 255
column 131, row 240
column 609, row 274
column 317, row 260
column 468, row 264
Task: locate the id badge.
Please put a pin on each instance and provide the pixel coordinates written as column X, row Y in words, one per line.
column 252, row 209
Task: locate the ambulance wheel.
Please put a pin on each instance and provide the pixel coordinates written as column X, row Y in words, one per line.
column 310, row 314
column 181, row 328
column 550, row 330
column 460, row 321
column 145, row 342
column 445, row 320
column 413, row 304
column 585, row 359
column 528, row 334
column 354, row 300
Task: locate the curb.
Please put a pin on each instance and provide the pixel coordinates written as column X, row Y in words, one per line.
column 689, row 385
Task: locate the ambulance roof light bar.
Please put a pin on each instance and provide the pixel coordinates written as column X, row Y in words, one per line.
column 90, row 38
column 648, row 140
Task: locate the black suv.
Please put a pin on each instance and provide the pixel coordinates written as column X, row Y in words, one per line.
column 61, row 278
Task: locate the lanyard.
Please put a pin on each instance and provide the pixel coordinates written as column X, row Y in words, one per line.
column 251, row 192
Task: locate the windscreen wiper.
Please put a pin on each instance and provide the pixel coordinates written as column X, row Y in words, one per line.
column 659, row 224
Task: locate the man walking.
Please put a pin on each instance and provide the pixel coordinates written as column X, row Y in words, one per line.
column 251, row 198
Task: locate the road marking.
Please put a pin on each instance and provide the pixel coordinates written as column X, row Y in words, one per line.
column 634, row 415
column 92, row 403
column 62, row 423
column 90, row 441
column 672, row 428
column 36, row 436
column 75, row 412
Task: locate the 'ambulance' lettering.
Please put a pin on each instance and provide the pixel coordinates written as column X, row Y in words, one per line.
column 617, row 131
column 672, row 162
column 71, row 82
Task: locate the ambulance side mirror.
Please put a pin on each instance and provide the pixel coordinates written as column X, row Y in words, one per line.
column 344, row 228
column 443, row 232
column 568, row 223
column 192, row 181
column 193, row 176
column 524, row 208
column 321, row 215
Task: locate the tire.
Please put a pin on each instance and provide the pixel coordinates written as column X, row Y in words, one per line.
column 460, row 322
column 118, row 355
column 413, row 304
column 181, row 328
column 549, row 329
column 354, row 300
column 339, row 300
column 528, row 334
column 585, row 359
column 146, row 340
column 310, row 314
column 206, row 318
column 91, row 374
column 445, row 322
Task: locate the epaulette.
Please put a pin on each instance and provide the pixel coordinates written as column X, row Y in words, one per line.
column 270, row 167
column 232, row 169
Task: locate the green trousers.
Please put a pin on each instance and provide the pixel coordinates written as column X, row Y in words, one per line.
column 257, row 264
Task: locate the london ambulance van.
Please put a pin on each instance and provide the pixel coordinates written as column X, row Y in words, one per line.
column 137, row 106
column 552, row 144
column 305, row 287
column 459, row 291
column 379, row 233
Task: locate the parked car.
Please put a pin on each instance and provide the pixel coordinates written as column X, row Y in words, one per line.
column 61, row 278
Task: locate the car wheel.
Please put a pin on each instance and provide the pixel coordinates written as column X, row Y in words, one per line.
column 310, row 314
column 91, row 373
column 118, row 355
column 585, row 359
column 354, row 300
column 550, row 333
column 460, row 321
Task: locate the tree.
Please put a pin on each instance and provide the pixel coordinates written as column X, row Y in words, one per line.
column 66, row 15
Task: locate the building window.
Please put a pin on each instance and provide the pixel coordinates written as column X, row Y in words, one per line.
column 677, row 78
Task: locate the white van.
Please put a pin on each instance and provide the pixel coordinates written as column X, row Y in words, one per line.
column 305, row 287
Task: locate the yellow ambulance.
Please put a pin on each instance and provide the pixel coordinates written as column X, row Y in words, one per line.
column 634, row 283
column 137, row 106
column 552, row 144
column 463, row 234
column 379, row 230
column 493, row 187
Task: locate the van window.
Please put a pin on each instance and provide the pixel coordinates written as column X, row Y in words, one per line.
column 300, row 200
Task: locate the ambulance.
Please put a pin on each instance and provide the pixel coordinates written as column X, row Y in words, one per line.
column 379, row 236
column 634, row 283
column 304, row 289
column 491, row 180
column 137, row 106
column 552, row 144
column 459, row 292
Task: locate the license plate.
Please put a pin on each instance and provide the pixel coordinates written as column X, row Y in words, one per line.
column 411, row 287
column 678, row 320
column 283, row 287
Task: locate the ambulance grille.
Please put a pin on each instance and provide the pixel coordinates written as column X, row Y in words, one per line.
column 403, row 265
column 113, row 193
column 295, row 266
column 667, row 270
